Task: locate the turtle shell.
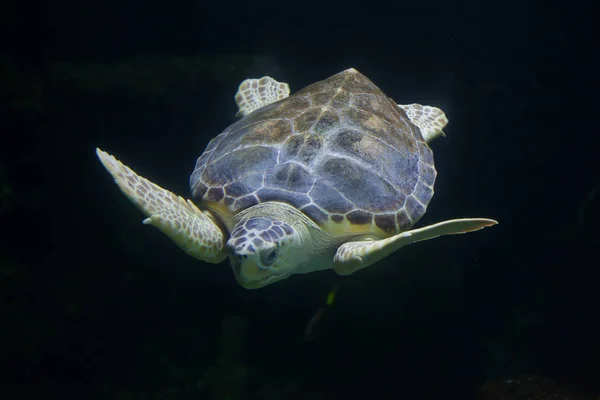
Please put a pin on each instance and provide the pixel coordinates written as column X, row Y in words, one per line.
column 339, row 150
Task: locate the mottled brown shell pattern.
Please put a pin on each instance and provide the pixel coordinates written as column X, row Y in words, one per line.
column 339, row 150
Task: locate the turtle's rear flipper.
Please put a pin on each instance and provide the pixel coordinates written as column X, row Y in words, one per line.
column 192, row 229
column 253, row 94
column 352, row 256
column 430, row 120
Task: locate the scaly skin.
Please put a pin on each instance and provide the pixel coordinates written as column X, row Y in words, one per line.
column 193, row 230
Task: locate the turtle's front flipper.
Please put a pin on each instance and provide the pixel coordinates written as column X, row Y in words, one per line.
column 352, row 256
column 192, row 229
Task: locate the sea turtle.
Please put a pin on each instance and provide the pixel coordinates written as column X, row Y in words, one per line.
column 333, row 176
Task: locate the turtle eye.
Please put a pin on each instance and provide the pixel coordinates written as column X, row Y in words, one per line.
column 270, row 257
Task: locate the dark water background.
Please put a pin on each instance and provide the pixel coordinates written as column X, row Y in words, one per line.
column 97, row 305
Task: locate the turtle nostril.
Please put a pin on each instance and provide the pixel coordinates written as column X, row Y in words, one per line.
column 236, row 263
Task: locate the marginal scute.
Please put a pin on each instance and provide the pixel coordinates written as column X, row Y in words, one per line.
column 402, row 220
column 272, row 132
column 295, row 199
column 315, row 214
column 205, row 156
column 387, row 222
column 212, row 144
column 422, row 192
column 337, row 218
column 245, row 202
column 215, row 194
column 427, row 174
column 414, row 209
column 360, row 217
column 228, row 200
column 199, row 189
column 425, row 154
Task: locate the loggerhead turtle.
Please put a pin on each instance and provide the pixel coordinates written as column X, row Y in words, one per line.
column 333, row 176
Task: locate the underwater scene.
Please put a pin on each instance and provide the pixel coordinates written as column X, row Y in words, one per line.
column 238, row 202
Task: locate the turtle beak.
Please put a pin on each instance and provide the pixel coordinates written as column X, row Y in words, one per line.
column 248, row 274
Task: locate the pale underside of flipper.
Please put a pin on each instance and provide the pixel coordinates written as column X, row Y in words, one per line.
column 253, row 94
column 352, row 256
column 430, row 120
column 192, row 229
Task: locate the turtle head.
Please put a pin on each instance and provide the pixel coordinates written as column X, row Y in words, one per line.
column 265, row 249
